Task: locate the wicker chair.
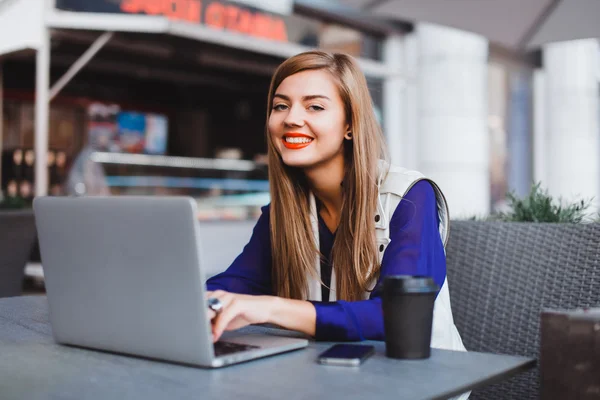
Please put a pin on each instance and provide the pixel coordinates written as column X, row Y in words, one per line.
column 502, row 275
column 17, row 234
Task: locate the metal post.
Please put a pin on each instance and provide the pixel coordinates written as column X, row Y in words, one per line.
column 80, row 63
column 393, row 94
column 42, row 113
column 540, row 135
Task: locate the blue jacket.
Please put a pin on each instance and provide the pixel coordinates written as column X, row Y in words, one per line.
column 416, row 248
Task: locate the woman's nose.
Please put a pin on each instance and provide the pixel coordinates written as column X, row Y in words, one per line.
column 294, row 117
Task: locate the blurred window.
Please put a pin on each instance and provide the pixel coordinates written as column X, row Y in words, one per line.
column 333, row 37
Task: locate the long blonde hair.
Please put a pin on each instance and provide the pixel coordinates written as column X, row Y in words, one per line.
column 354, row 253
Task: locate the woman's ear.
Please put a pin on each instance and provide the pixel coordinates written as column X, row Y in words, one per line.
column 348, row 135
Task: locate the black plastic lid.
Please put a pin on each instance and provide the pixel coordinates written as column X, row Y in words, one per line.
column 409, row 284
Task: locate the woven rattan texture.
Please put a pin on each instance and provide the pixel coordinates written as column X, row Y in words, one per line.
column 501, row 275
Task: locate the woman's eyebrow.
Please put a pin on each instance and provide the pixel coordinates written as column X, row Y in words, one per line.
column 304, row 98
column 281, row 96
column 315, row 96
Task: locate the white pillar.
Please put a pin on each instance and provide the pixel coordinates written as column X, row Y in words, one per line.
column 452, row 116
column 42, row 88
column 519, row 137
column 411, row 96
column 393, row 93
column 573, row 146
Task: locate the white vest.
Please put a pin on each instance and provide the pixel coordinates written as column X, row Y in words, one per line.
column 394, row 186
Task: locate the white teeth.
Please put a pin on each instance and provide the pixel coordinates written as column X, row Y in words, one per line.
column 297, row 140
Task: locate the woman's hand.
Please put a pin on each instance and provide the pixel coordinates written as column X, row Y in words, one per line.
column 239, row 310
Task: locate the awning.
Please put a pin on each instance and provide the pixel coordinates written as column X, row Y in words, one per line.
column 516, row 24
column 21, row 25
column 163, row 25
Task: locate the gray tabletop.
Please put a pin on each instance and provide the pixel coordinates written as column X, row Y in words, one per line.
column 32, row 366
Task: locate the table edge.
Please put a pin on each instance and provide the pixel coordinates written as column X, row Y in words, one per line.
column 528, row 363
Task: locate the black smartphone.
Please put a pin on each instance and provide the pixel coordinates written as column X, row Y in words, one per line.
column 350, row 355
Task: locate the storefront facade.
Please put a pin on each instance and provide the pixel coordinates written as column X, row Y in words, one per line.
column 180, row 78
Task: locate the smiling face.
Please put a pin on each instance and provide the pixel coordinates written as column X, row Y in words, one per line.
column 308, row 120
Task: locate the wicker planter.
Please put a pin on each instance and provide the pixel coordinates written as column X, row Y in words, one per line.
column 501, row 276
column 17, row 235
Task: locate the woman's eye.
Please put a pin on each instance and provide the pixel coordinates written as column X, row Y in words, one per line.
column 279, row 107
column 315, row 107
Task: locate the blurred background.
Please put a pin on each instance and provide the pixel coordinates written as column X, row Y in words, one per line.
column 168, row 97
column 162, row 90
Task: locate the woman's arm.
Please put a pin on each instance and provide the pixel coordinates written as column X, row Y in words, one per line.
column 250, row 272
column 244, row 290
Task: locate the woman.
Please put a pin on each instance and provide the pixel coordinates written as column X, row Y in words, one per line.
column 332, row 230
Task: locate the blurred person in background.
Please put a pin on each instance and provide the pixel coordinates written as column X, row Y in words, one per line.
column 329, row 235
column 86, row 177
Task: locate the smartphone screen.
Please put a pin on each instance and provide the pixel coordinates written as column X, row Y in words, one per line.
column 346, row 354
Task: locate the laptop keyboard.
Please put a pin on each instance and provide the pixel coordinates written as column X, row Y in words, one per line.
column 224, row 348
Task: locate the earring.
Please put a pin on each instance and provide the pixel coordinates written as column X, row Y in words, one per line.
column 348, row 136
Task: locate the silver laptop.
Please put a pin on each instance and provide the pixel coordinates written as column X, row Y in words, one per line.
column 125, row 274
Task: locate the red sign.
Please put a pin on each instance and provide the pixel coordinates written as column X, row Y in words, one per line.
column 214, row 14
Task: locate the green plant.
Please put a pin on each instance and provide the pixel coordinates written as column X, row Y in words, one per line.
column 539, row 206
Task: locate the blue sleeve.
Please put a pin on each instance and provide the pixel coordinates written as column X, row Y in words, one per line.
column 416, row 248
column 250, row 272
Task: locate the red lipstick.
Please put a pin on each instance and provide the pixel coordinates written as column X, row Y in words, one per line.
column 296, row 146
